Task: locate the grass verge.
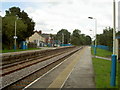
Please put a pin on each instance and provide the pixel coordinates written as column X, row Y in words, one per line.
column 102, row 69
column 18, row 50
column 102, row 52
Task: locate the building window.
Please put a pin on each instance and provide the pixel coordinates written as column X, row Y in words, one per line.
column 35, row 41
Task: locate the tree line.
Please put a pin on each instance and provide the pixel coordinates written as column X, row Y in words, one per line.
column 76, row 38
column 106, row 38
column 25, row 28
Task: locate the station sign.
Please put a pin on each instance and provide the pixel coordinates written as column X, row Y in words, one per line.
column 15, row 37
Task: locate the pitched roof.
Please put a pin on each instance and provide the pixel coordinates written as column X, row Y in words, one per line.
column 45, row 35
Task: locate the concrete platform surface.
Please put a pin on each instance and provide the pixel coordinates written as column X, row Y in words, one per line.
column 82, row 75
column 75, row 72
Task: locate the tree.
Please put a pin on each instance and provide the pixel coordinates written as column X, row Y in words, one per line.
column 106, row 38
column 63, row 33
column 30, row 23
column 13, row 11
column 118, row 33
column 75, row 38
column 88, row 40
column 80, row 39
column 25, row 26
column 76, row 33
column 8, row 30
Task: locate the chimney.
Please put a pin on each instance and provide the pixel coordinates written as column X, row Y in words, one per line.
column 40, row 32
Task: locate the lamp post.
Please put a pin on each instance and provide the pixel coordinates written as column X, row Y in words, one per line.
column 15, row 37
column 95, row 34
column 114, row 56
column 92, row 38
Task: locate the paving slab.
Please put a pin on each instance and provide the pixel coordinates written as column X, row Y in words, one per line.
column 82, row 75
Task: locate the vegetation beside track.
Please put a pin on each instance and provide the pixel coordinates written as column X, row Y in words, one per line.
column 102, row 52
column 102, row 69
column 18, row 50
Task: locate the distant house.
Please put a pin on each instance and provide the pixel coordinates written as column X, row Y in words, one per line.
column 48, row 39
column 37, row 38
column 43, row 39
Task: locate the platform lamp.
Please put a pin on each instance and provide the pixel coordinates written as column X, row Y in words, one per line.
column 92, row 38
column 95, row 51
column 15, row 37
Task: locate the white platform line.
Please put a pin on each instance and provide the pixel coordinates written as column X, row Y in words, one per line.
column 68, row 75
column 66, row 78
column 44, row 74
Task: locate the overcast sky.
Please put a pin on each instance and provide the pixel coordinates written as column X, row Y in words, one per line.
column 65, row 14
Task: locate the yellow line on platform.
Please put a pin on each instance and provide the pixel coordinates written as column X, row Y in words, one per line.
column 58, row 82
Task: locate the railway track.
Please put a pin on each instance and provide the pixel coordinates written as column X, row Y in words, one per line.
column 20, row 65
column 24, row 81
column 33, row 56
column 10, row 68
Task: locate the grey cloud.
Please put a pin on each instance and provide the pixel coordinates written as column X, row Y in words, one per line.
column 69, row 13
column 42, row 23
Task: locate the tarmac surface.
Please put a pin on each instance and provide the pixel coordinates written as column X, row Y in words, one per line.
column 75, row 72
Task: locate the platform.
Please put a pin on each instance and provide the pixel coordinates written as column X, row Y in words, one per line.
column 75, row 72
